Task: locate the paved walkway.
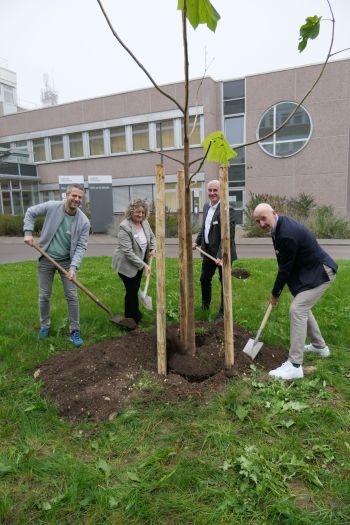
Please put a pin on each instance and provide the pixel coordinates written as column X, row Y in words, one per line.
column 13, row 249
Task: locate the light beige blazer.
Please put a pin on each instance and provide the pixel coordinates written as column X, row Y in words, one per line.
column 127, row 258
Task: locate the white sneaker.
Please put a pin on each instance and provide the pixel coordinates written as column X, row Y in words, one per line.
column 288, row 371
column 324, row 352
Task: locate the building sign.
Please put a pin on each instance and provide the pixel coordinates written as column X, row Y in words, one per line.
column 101, row 202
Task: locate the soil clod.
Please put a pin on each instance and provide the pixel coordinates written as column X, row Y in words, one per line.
column 240, row 273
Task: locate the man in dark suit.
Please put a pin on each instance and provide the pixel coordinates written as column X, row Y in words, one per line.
column 209, row 239
column 308, row 271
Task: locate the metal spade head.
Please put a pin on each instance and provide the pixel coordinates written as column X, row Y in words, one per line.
column 146, row 301
column 252, row 348
column 127, row 323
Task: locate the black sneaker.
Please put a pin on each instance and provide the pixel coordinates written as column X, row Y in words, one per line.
column 219, row 317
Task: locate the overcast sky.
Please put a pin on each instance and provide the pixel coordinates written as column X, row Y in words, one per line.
column 70, row 41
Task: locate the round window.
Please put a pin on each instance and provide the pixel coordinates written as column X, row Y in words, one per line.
column 292, row 137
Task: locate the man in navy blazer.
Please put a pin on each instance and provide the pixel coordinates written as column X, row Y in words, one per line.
column 209, row 239
column 308, row 271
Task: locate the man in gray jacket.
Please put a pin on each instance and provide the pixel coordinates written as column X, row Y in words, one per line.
column 64, row 237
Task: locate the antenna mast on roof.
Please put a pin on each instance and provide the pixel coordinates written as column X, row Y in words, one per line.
column 49, row 97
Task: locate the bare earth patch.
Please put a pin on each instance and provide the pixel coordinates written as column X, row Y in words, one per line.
column 97, row 382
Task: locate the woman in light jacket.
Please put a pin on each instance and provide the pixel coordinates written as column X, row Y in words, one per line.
column 136, row 244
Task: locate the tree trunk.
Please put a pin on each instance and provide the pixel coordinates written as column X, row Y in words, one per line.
column 191, row 342
column 160, row 240
column 182, row 260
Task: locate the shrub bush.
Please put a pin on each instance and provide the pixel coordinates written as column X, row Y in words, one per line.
column 171, row 224
column 278, row 203
column 12, row 225
column 322, row 221
column 325, row 224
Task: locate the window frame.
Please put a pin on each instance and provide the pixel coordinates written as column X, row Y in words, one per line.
column 273, row 142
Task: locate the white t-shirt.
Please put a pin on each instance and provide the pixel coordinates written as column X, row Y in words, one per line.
column 208, row 220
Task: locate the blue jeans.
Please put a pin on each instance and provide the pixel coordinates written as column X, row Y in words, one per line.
column 46, row 273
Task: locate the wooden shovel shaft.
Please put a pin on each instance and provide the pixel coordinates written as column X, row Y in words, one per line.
column 74, row 280
column 147, row 278
column 263, row 323
column 206, row 254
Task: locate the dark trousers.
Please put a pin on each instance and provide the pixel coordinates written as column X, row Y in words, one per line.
column 208, row 270
column 131, row 301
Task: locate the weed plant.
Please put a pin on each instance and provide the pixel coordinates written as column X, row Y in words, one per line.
column 261, row 452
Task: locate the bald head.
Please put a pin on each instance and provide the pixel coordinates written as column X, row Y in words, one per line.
column 214, row 192
column 265, row 216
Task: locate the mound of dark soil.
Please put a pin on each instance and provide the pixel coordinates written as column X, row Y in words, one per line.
column 98, row 381
column 240, row 273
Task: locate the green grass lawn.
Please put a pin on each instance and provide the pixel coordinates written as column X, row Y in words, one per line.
column 263, row 452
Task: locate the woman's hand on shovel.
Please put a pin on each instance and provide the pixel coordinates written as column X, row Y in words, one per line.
column 147, row 269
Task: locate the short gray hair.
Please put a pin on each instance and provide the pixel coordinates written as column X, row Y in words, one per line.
column 78, row 186
column 134, row 205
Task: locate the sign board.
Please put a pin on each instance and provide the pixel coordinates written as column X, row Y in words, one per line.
column 101, row 202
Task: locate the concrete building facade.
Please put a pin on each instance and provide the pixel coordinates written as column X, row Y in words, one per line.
column 122, row 135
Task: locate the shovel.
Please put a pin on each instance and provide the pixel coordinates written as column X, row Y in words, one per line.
column 253, row 346
column 209, row 256
column 147, row 299
column 123, row 322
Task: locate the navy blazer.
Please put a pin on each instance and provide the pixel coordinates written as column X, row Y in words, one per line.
column 300, row 258
column 214, row 246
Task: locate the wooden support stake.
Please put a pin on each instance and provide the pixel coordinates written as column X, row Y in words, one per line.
column 160, row 239
column 182, row 259
column 226, row 267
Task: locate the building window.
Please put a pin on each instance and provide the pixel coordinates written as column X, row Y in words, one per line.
column 121, row 198
column 76, row 145
column 165, row 134
column 234, row 130
column 39, row 150
column 56, row 145
column 118, row 142
column 9, row 94
column 236, row 175
column 96, row 143
column 142, row 191
column 140, row 139
column 171, row 196
column 234, row 97
column 292, row 138
column 194, row 130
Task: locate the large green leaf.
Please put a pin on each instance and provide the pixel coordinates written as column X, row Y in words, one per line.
column 309, row 30
column 219, row 149
column 200, row 12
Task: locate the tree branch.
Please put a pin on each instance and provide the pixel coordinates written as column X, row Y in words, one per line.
column 164, row 155
column 137, row 61
column 329, row 54
column 340, row 51
column 186, row 67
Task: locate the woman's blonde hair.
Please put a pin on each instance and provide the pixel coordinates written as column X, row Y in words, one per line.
column 134, row 205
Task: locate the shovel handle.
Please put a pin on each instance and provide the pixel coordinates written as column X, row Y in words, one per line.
column 148, row 277
column 206, row 254
column 263, row 322
column 74, row 280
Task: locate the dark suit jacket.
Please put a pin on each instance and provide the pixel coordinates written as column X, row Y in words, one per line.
column 214, row 247
column 300, row 258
